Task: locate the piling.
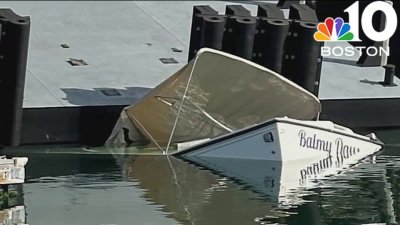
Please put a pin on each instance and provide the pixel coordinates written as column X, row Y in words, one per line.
column 390, row 71
column 302, row 62
column 239, row 36
column 196, row 29
column 14, row 42
column 269, row 43
column 212, row 34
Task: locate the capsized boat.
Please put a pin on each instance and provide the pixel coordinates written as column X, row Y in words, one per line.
column 220, row 105
column 285, row 139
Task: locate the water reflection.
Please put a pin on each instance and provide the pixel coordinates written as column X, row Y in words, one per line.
column 368, row 193
column 243, row 192
column 12, row 209
column 283, row 183
column 191, row 195
column 129, row 189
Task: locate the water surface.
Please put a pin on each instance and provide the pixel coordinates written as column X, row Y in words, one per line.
column 82, row 188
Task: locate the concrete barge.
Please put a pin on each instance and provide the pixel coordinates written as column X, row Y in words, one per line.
column 88, row 60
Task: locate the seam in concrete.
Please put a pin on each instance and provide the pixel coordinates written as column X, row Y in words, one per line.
column 159, row 23
column 48, row 89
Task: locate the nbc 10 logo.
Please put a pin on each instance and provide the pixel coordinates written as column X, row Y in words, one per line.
column 339, row 30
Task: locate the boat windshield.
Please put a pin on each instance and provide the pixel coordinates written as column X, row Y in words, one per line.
column 214, row 94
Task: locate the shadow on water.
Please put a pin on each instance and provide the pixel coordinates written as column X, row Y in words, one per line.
column 82, row 188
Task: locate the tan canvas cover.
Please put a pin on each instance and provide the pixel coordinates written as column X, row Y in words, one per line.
column 214, row 94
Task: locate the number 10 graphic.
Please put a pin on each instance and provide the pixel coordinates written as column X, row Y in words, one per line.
column 366, row 20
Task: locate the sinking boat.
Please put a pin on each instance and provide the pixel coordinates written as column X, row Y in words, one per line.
column 220, row 105
column 284, row 139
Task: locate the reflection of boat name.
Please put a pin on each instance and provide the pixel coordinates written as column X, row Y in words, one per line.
column 314, row 142
column 315, row 168
column 344, row 152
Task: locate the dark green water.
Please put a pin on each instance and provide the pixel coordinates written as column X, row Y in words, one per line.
column 85, row 189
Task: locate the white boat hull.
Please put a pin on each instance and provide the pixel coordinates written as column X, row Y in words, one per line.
column 284, row 139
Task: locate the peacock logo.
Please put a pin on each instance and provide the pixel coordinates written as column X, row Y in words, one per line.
column 334, row 30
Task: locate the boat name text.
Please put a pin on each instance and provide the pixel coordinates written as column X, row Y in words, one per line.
column 313, row 142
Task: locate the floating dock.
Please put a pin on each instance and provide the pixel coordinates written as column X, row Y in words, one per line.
column 12, row 176
column 88, row 60
column 12, row 171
